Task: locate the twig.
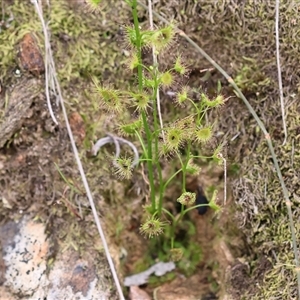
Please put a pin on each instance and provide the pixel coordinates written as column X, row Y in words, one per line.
column 263, row 129
column 47, row 46
column 279, row 71
column 116, row 140
column 101, row 142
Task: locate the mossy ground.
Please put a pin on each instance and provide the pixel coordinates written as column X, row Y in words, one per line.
column 241, row 39
column 244, row 42
column 84, row 46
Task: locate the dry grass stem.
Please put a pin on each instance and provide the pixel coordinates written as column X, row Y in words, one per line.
column 279, row 71
column 55, row 82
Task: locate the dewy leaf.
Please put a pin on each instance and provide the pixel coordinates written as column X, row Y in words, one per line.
column 158, row 269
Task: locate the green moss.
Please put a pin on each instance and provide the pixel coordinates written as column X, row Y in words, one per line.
column 265, row 212
column 250, row 78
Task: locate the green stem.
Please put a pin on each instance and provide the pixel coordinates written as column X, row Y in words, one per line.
column 149, row 162
column 172, row 226
column 169, row 214
column 195, row 106
column 184, row 165
column 170, row 179
column 142, row 143
column 144, row 117
column 193, row 207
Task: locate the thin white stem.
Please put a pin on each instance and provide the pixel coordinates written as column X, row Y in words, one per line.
column 279, row 71
column 78, row 161
column 47, row 46
column 293, row 154
column 155, row 63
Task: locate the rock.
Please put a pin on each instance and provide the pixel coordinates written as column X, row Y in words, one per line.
column 29, row 55
column 77, row 126
column 138, row 294
column 25, row 256
column 27, row 274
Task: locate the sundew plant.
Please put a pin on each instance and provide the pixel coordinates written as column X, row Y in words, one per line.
column 173, row 140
